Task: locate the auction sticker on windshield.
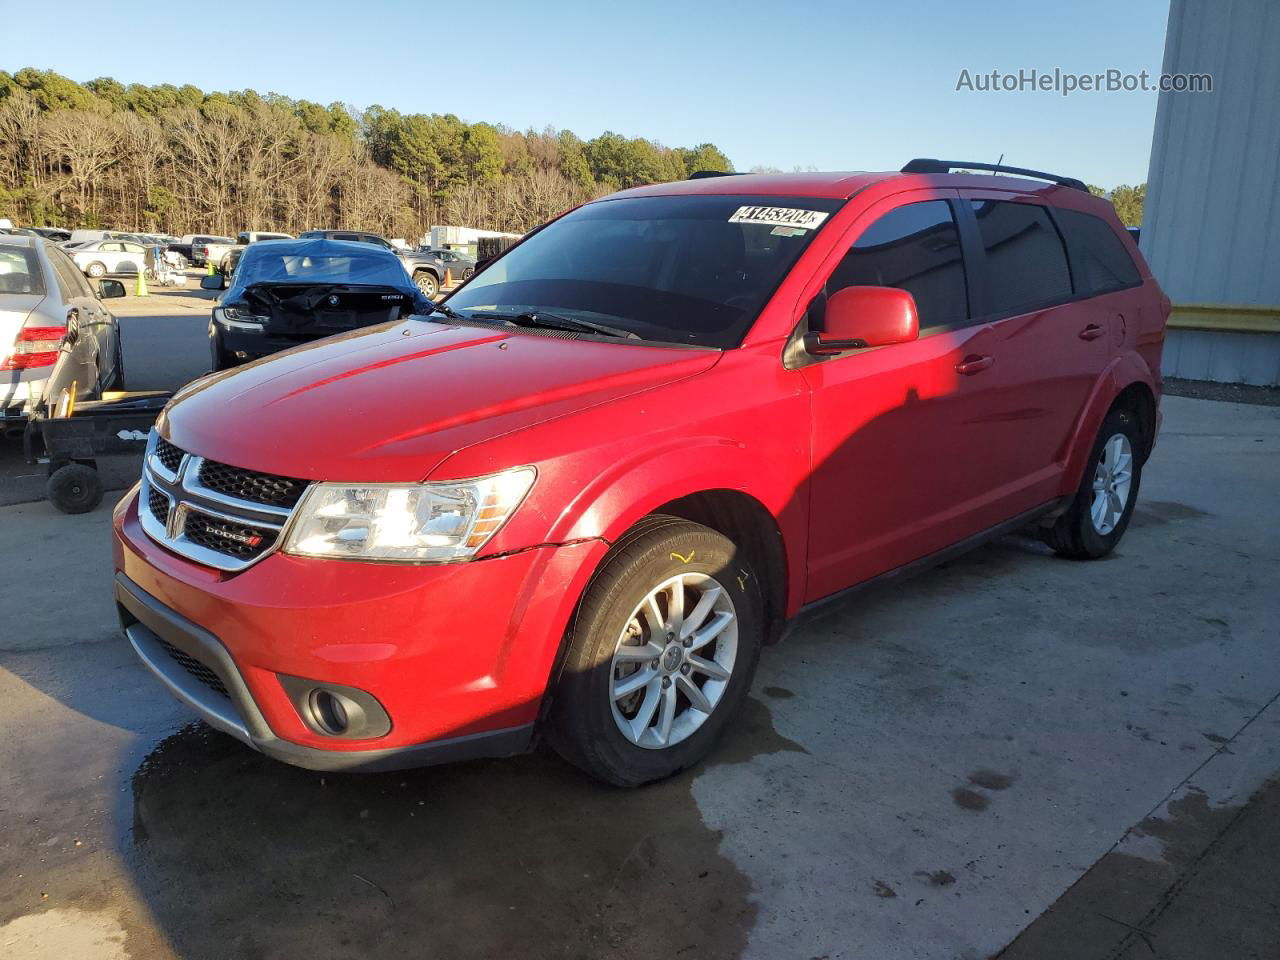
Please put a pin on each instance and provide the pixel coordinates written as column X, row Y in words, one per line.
column 779, row 217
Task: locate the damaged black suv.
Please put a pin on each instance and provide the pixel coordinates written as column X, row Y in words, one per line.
column 288, row 292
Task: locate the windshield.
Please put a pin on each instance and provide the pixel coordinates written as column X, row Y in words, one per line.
column 20, row 271
column 691, row 269
column 260, row 265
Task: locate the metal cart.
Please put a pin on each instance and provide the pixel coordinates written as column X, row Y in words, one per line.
column 72, row 436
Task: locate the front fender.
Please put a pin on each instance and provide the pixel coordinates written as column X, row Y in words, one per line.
column 616, row 499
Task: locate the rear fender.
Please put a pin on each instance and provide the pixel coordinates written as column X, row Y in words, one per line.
column 1123, row 371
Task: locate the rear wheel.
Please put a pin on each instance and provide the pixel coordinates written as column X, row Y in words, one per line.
column 1104, row 503
column 661, row 654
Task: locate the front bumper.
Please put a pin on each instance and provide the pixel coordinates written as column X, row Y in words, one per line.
column 458, row 655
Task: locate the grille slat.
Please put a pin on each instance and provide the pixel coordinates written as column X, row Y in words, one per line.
column 265, row 488
column 168, row 454
column 195, row 668
column 159, row 506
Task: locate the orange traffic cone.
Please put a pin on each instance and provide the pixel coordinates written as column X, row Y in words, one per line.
column 448, row 278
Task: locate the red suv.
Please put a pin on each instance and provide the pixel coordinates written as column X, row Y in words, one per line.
column 579, row 498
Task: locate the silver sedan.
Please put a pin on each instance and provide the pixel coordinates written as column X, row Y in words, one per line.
column 53, row 327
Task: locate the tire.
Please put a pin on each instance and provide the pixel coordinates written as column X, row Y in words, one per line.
column 96, row 270
column 74, row 488
column 427, row 283
column 1079, row 533
column 585, row 721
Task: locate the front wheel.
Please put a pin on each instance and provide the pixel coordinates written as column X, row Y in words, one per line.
column 661, row 654
column 96, row 270
column 427, row 284
column 1103, row 505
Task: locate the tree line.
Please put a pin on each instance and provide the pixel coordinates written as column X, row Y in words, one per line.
column 175, row 159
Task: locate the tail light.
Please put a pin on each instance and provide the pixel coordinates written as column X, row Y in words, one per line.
column 35, row 347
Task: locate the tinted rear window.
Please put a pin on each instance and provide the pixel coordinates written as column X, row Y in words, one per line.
column 1099, row 260
column 1026, row 262
column 20, row 271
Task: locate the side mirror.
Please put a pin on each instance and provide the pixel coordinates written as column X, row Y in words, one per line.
column 110, row 289
column 859, row 317
column 213, row 282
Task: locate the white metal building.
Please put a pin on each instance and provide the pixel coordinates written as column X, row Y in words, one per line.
column 1211, row 226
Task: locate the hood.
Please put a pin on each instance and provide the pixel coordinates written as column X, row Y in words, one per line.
column 389, row 403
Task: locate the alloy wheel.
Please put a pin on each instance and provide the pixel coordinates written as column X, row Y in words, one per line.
column 673, row 660
column 1112, row 479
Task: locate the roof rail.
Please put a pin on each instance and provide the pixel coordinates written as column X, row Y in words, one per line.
column 703, row 174
column 926, row 165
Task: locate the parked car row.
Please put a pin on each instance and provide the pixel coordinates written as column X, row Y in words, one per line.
column 428, row 269
column 577, row 496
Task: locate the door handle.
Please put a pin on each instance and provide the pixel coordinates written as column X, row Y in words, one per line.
column 1092, row 332
column 973, row 364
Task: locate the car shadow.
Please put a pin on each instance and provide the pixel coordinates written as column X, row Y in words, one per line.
column 236, row 854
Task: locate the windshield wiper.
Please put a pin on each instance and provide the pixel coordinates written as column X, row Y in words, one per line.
column 447, row 310
column 553, row 321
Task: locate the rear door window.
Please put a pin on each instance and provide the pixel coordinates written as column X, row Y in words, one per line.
column 1026, row 262
column 915, row 247
column 1099, row 261
column 20, row 271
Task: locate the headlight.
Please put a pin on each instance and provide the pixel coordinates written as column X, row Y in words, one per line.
column 413, row 522
column 235, row 317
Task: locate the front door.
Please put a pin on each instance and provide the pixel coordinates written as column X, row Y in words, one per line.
column 901, row 459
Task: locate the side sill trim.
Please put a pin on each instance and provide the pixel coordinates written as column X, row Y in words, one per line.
column 921, row 564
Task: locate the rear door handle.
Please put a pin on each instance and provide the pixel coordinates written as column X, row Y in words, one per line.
column 973, row 364
column 1092, row 332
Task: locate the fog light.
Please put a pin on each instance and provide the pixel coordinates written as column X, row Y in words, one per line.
column 329, row 712
column 334, row 710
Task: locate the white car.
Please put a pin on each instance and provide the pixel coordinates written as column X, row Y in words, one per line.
column 51, row 317
column 103, row 257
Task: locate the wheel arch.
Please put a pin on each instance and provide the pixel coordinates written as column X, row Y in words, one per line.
column 1126, row 382
column 748, row 523
column 1140, row 399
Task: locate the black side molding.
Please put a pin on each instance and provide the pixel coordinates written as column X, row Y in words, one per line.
column 927, row 165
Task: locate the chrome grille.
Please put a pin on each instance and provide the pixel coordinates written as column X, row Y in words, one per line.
column 216, row 514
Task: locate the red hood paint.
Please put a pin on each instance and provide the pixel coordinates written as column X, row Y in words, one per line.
column 389, row 403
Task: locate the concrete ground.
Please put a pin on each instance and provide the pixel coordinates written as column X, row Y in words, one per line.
column 1013, row 753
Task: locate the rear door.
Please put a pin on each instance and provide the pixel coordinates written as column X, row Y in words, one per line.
column 902, row 455
column 1051, row 346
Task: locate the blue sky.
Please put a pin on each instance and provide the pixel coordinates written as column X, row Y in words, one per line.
column 852, row 85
